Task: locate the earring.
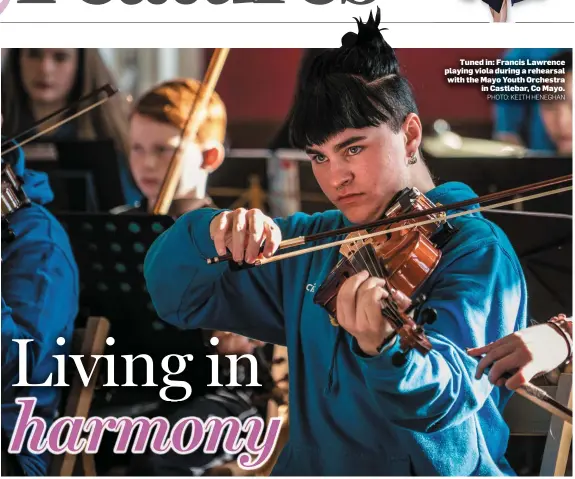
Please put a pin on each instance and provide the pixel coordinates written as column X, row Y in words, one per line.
column 412, row 160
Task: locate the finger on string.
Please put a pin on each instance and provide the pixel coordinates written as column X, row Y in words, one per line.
column 373, row 312
column 402, row 300
column 370, row 283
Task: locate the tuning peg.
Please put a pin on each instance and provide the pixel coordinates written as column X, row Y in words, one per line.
column 427, row 316
column 398, row 359
column 416, row 303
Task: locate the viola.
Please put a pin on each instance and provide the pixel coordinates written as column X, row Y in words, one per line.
column 405, row 252
column 405, row 257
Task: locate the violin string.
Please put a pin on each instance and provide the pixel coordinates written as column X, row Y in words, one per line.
column 360, row 247
column 389, row 308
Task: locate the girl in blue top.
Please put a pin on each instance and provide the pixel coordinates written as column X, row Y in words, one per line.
column 353, row 410
column 39, row 81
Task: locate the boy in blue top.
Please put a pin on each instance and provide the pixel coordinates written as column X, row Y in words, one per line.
column 521, row 122
column 352, row 411
column 39, row 302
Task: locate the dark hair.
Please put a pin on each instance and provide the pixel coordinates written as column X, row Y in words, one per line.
column 355, row 86
column 107, row 121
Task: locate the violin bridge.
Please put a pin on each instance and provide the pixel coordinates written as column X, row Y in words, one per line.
column 333, row 321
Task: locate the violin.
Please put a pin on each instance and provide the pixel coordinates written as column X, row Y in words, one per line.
column 13, row 198
column 405, row 257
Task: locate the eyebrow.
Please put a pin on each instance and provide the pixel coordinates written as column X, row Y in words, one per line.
column 339, row 146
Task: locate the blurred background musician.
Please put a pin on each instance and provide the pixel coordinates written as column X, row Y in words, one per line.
column 557, row 114
column 156, row 122
column 520, row 122
column 39, row 303
column 155, row 125
column 37, row 82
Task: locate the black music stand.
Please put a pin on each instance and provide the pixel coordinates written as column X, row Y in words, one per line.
column 544, row 247
column 101, row 159
column 110, row 252
column 85, row 175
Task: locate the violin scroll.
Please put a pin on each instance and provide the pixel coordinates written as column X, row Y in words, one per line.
column 427, row 316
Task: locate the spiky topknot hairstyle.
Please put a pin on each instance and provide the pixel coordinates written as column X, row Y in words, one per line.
column 355, row 86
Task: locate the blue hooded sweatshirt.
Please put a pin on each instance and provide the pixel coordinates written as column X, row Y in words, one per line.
column 39, row 302
column 351, row 414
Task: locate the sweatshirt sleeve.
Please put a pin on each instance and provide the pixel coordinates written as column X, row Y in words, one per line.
column 478, row 298
column 39, row 302
column 189, row 293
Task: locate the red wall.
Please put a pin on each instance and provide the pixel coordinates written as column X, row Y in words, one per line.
column 424, row 68
column 258, row 84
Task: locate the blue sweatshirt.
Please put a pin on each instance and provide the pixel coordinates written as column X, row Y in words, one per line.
column 39, row 302
column 351, row 414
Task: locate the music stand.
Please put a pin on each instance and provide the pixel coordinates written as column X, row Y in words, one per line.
column 110, row 252
column 84, row 175
column 74, row 190
column 101, row 159
column 544, row 247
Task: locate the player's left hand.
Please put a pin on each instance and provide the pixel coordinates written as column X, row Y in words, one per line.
column 359, row 304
